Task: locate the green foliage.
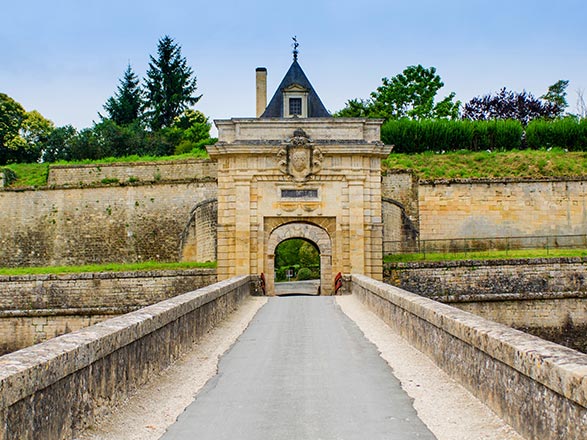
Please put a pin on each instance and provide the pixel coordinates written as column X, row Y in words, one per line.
column 485, row 255
column 557, row 94
column 305, row 274
column 410, row 136
column 169, row 86
column 59, row 144
column 569, row 133
column 298, row 255
column 29, row 175
column 126, row 105
column 410, row 94
column 110, row 267
column 23, row 135
column 483, row 164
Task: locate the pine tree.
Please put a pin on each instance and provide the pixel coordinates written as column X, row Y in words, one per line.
column 125, row 106
column 169, row 86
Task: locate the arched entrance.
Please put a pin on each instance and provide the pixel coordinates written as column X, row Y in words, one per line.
column 307, row 231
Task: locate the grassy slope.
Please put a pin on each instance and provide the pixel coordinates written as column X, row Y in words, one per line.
column 111, row 267
column 35, row 174
column 466, row 164
column 485, row 255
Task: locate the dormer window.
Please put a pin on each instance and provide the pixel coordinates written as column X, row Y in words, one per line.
column 295, row 101
column 295, row 106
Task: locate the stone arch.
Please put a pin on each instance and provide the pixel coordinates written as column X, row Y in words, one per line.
column 399, row 232
column 307, row 231
column 199, row 236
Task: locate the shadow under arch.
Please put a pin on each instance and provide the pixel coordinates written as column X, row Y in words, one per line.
column 307, row 231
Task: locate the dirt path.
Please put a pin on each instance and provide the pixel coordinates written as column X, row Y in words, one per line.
column 448, row 409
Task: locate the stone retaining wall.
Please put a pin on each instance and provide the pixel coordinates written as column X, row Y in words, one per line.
column 55, row 389
column 76, row 175
column 536, row 386
column 73, row 226
column 502, row 208
column 493, row 277
column 34, row 308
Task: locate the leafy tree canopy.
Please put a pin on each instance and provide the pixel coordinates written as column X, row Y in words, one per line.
column 507, row 104
column 557, row 94
column 23, row 135
column 126, row 105
column 170, row 85
column 411, row 94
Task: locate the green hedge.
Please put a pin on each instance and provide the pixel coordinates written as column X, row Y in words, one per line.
column 568, row 133
column 411, row 136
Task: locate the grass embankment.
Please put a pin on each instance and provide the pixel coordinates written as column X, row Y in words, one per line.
column 110, row 267
column 36, row 174
column 486, row 255
column 483, row 164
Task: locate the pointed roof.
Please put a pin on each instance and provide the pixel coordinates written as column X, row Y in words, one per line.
column 295, row 75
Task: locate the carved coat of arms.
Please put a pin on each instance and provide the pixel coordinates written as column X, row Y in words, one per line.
column 299, row 158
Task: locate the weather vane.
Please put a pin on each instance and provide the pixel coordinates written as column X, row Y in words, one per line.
column 295, row 46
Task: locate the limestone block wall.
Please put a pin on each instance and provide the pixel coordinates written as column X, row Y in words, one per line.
column 538, row 387
column 500, row 208
column 34, row 308
column 55, row 389
column 489, row 277
column 69, row 226
column 402, row 186
column 76, row 175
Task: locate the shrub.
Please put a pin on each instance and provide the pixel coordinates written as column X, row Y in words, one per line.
column 305, row 274
column 568, row 133
column 410, row 136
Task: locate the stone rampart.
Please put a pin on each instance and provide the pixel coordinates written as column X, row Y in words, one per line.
column 536, row 386
column 489, row 277
column 55, row 389
column 72, row 226
column 34, row 308
column 502, row 208
column 76, row 175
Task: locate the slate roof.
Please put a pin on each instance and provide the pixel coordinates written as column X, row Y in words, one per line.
column 295, row 75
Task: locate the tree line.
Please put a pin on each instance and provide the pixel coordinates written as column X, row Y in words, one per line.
column 154, row 116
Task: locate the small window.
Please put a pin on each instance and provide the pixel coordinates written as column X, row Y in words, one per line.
column 295, row 106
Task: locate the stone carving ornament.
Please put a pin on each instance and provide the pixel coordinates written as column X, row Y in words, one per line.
column 299, row 158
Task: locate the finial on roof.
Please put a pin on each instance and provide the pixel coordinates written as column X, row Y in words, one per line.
column 295, row 46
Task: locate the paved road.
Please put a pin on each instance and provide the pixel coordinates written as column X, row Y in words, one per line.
column 309, row 287
column 302, row 370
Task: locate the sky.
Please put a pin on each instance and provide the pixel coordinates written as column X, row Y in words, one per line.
column 64, row 58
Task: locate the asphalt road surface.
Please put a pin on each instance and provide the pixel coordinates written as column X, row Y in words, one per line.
column 301, row 370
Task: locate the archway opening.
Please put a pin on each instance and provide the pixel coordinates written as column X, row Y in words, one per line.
column 308, row 232
column 297, row 267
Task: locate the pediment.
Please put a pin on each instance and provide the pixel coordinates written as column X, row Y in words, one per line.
column 295, row 88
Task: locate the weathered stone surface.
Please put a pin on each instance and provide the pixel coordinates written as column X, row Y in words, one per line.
column 160, row 171
column 540, row 388
column 278, row 177
column 502, row 208
column 54, row 389
column 34, row 308
column 98, row 224
column 494, row 277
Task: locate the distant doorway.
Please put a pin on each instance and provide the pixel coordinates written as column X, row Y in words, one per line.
column 299, row 247
column 297, row 267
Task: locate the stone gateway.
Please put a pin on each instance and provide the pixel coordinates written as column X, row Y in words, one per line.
column 296, row 172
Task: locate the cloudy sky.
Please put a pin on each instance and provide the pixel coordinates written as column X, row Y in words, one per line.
column 64, row 57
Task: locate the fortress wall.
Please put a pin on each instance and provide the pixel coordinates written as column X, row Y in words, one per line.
column 72, row 226
column 34, row 308
column 76, row 175
column 55, row 389
column 536, row 386
column 501, row 208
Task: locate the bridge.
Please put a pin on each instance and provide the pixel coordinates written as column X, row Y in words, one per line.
column 301, row 370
